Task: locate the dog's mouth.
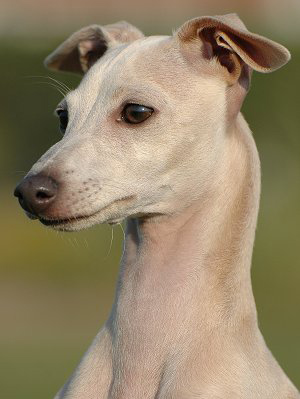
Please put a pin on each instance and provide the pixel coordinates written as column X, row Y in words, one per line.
column 64, row 223
column 60, row 222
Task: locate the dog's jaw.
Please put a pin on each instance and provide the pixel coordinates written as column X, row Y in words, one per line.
column 113, row 213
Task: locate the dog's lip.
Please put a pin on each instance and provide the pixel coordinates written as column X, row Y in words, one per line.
column 65, row 221
column 57, row 222
column 31, row 215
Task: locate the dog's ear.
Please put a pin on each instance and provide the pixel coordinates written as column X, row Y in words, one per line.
column 227, row 39
column 82, row 49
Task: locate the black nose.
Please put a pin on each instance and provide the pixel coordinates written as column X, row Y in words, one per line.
column 36, row 193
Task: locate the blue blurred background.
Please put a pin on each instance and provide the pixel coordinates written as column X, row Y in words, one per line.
column 56, row 289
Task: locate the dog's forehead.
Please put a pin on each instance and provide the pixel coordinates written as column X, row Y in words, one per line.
column 142, row 56
column 154, row 60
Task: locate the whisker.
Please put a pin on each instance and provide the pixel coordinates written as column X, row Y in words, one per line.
column 120, row 224
column 86, row 243
column 67, row 88
column 111, row 242
column 52, row 85
column 22, row 172
column 76, row 242
column 61, row 84
column 71, row 242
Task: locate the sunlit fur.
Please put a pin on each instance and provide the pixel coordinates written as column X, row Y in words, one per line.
column 183, row 324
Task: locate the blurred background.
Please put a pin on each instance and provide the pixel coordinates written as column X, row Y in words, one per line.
column 56, row 289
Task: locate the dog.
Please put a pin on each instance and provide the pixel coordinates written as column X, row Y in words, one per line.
column 154, row 135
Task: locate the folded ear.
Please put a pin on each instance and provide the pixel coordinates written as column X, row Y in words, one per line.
column 227, row 39
column 82, row 49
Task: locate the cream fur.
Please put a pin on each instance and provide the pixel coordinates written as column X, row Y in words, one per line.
column 183, row 324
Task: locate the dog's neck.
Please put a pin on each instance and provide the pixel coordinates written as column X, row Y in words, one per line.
column 186, row 278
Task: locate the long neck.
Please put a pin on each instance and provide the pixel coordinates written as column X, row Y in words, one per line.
column 187, row 275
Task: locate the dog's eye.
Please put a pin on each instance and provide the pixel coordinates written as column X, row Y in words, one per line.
column 135, row 113
column 63, row 119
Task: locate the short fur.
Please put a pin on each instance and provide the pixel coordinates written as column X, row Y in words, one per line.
column 183, row 324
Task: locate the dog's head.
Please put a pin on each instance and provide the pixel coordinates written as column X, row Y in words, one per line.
column 144, row 131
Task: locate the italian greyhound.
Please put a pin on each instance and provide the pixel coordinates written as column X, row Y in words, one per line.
column 153, row 134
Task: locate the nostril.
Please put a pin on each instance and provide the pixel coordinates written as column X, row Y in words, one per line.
column 43, row 194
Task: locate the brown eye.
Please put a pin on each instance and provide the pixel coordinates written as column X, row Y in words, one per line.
column 135, row 113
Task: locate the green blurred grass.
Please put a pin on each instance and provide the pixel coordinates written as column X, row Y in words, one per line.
column 55, row 292
column 56, row 289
